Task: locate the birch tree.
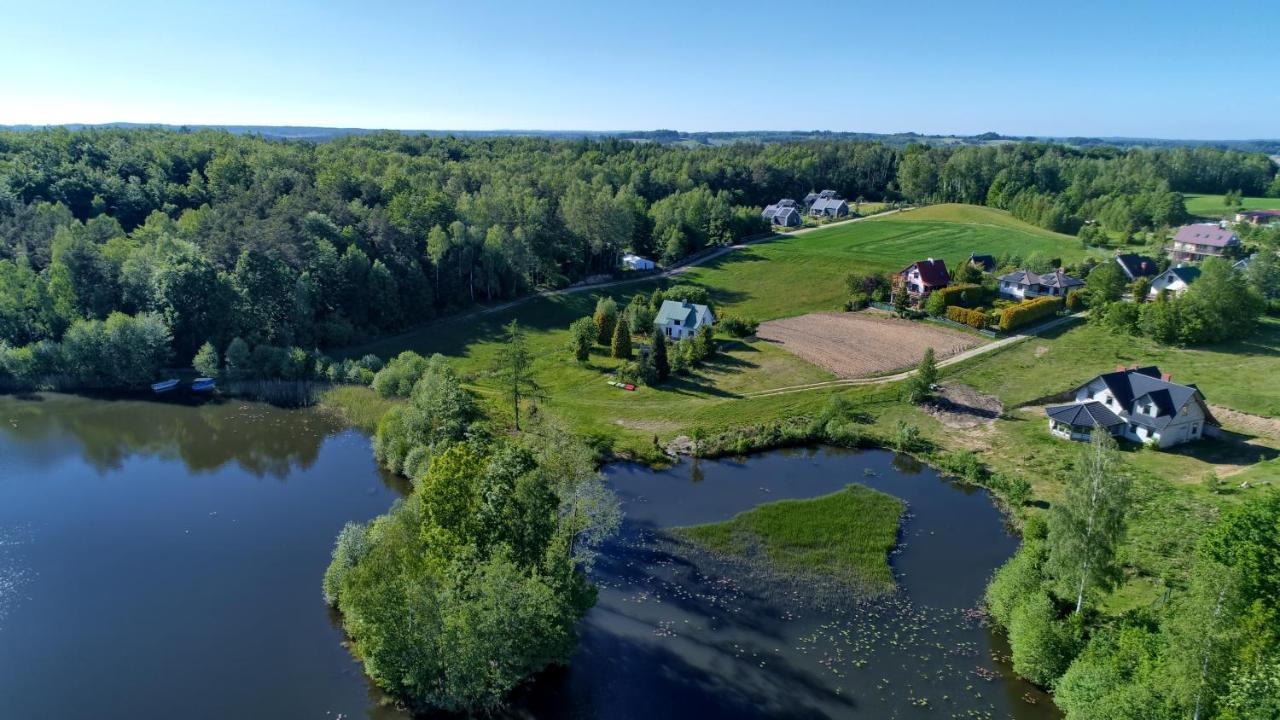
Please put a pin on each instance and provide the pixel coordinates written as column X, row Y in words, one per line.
column 1087, row 525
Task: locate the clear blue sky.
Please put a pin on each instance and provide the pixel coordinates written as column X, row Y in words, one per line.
column 1176, row 68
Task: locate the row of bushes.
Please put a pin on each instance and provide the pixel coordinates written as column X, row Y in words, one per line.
column 1029, row 311
column 963, row 295
column 978, row 319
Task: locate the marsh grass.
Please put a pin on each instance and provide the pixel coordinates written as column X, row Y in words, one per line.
column 843, row 538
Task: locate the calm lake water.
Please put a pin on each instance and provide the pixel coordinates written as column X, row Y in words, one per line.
column 164, row 561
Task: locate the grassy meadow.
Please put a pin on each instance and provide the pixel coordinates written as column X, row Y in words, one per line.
column 783, row 277
column 846, row 535
column 1211, row 205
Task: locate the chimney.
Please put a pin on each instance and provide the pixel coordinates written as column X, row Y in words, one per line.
column 1166, row 377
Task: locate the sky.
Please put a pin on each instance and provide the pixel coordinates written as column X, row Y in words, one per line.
column 1171, row 69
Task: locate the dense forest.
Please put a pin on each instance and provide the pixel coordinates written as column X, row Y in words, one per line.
column 211, row 236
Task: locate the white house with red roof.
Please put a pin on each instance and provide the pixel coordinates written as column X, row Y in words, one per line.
column 925, row 276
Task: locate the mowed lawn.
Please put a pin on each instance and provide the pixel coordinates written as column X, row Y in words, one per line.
column 806, row 272
column 781, row 278
column 1242, row 374
column 1211, row 205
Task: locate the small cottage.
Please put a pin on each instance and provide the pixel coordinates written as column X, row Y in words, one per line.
column 783, row 213
column 636, row 262
column 1175, row 280
column 682, row 319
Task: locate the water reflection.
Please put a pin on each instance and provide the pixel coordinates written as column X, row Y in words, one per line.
column 262, row 440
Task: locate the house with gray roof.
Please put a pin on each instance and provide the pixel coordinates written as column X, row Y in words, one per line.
column 1024, row 284
column 813, row 197
column 783, row 213
column 1174, row 280
column 829, row 208
column 1194, row 243
column 985, row 263
column 1140, row 404
column 682, row 319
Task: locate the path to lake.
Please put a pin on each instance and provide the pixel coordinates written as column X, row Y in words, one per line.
column 160, row 560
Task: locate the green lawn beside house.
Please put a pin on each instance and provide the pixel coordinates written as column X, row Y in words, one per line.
column 1211, row 205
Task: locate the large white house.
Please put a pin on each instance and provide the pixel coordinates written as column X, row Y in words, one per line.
column 681, row 319
column 1139, row 404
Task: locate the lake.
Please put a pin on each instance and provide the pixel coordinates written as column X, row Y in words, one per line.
column 165, row 560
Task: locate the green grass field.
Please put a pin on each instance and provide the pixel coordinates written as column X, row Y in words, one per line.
column 1237, row 374
column 1211, row 205
column 846, row 535
column 807, row 272
column 784, row 277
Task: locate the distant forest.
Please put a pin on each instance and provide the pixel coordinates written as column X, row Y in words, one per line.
column 299, row 243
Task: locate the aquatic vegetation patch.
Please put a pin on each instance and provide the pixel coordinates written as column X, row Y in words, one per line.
column 845, row 537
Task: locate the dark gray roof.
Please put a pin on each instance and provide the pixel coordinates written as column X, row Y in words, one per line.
column 1086, row 414
column 986, row 262
column 1187, row 273
column 1136, row 266
column 1133, row 387
column 1057, row 279
column 829, row 194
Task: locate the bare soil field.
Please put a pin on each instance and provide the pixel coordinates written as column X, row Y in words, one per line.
column 863, row 344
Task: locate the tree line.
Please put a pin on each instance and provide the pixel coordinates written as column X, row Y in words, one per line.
column 298, row 244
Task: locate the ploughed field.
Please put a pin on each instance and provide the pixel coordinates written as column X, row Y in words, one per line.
column 863, row 344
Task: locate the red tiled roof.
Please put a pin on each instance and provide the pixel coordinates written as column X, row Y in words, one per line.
column 932, row 272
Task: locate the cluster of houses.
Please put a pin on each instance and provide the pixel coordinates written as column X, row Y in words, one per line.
column 923, row 277
column 789, row 213
column 1140, row 404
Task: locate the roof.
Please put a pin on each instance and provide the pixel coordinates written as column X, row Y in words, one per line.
column 987, row 262
column 1136, row 266
column 932, row 272
column 1086, row 414
column 1187, row 273
column 810, row 197
column 823, row 204
column 1057, row 279
column 1128, row 386
column 1210, row 235
column 632, row 257
column 1260, row 213
column 689, row 314
column 829, row 194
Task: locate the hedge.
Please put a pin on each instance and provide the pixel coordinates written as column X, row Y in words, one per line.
column 973, row 318
column 1027, row 312
column 963, row 295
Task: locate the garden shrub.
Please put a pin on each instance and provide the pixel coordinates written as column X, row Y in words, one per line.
column 964, row 295
column 1029, row 311
column 738, row 327
column 978, row 318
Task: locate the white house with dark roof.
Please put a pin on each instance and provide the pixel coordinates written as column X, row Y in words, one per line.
column 681, row 319
column 1024, row 284
column 1174, row 280
column 1139, row 404
column 1196, row 242
column 783, row 213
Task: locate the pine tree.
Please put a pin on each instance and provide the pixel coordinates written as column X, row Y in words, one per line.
column 515, row 369
column 621, row 340
column 660, row 363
